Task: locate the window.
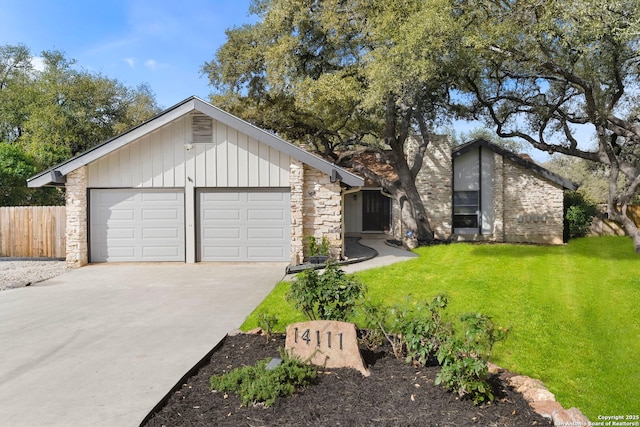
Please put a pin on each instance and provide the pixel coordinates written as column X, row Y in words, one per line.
column 465, row 209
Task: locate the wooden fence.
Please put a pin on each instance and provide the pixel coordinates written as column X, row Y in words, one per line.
column 601, row 226
column 33, row 231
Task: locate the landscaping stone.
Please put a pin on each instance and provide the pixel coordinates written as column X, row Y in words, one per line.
column 326, row 343
column 541, row 400
column 569, row 417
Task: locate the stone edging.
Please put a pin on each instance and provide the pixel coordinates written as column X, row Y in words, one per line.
column 541, row 400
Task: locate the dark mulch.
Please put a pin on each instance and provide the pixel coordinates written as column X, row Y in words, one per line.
column 396, row 394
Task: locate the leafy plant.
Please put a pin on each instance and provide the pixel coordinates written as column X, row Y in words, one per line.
column 255, row 383
column 267, row 322
column 579, row 213
column 464, row 359
column 421, row 332
column 331, row 295
column 315, row 248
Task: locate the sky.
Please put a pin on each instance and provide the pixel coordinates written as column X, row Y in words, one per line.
column 159, row 42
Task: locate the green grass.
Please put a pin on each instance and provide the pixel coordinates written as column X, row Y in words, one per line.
column 574, row 311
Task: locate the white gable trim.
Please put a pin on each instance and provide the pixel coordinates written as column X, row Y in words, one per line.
column 57, row 173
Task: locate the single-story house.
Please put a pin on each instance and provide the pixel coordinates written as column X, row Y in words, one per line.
column 477, row 191
column 198, row 184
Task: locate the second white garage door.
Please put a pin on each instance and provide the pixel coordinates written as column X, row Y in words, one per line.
column 244, row 225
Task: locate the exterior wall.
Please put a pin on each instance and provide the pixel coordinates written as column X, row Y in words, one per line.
column 316, row 210
column 533, row 207
column 296, row 178
column 76, row 228
column 434, row 182
column 179, row 154
column 498, row 197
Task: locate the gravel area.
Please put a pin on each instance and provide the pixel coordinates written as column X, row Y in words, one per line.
column 16, row 273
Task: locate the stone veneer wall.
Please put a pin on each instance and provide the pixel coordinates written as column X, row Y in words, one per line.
column 316, row 210
column 435, row 183
column 498, row 198
column 533, row 207
column 76, row 204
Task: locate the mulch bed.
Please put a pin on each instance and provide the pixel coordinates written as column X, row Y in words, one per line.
column 396, row 394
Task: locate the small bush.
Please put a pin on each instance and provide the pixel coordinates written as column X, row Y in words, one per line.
column 267, row 322
column 422, row 332
column 331, row 295
column 254, row 384
column 579, row 213
column 464, row 359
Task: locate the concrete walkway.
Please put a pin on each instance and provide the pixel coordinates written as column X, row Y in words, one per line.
column 102, row 345
column 387, row 255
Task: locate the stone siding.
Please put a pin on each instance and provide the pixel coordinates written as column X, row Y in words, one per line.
column 316, row 210
column 498, row 197
column 76, row 203
column 533, row 207
column 435, row 183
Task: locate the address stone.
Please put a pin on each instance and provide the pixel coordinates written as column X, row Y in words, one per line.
column 326, row 343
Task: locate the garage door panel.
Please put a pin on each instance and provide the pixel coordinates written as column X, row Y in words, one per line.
column 265, row 233
column 267, row 253
column 221, row 234
column 150, row 214
column 244, row 225
column 266, row 215
column 222, row 214
column 160, row 233
column 136, row 225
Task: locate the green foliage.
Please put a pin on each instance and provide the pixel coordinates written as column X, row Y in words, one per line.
column 579, row 213
column 331, row 295
column 255, row 384
column 268, row 323
column 314, row 248
column 15, row 167
column 59, row 111
column 419, row 332
column 583, row 295
column 464, row 359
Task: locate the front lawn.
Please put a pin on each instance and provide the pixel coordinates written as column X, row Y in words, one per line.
column 574, row 311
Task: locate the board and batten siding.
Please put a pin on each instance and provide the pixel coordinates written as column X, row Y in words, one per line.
column 169, row 156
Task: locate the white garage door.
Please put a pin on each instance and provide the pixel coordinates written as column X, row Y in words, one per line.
column 136, row 225
column 244, row 225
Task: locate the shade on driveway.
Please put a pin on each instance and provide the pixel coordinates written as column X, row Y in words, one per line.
column 103, row 344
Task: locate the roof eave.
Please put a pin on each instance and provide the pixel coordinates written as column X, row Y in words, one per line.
column 53, row 175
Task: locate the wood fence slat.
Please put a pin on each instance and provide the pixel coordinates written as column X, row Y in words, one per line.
column 33, row 231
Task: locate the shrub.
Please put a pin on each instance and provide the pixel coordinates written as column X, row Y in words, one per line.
column 267, row 322
column 464, row 359
column 579, row 213
column 255, row 383
column 421, row 333
column 331, row 295
column 318, row 248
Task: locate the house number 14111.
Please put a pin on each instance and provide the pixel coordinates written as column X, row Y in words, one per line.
column 308, row 337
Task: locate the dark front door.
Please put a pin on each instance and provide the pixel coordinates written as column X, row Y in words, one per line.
column 376, row 211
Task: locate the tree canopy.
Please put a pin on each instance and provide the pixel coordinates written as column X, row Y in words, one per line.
column 51, row 113
column 544, row 71
column 343, row 78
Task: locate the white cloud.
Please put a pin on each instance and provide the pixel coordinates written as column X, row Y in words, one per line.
column 130, row 61
column 151, row 64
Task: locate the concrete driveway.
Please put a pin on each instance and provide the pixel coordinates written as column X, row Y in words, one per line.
column 102, row 345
